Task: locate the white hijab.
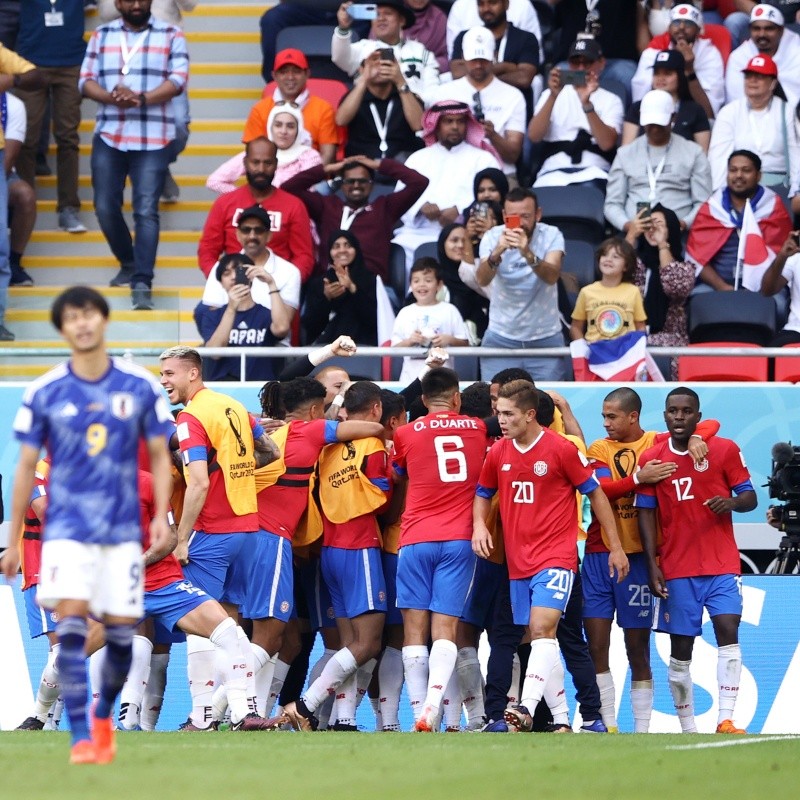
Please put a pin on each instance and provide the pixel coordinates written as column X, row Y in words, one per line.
column 302, row 141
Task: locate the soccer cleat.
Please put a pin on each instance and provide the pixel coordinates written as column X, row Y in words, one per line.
column 299, row 717
column 428, row 721
column 251, row 722
column 391, row 728
column 83, row 752
column 453, row 729
column 344, row 726
column 558, row 727
column 31, row 724
column 727, row 726
column 598, row 726
column 103, row 739
column 518, row 718
column 495, row 726
column 190, row 727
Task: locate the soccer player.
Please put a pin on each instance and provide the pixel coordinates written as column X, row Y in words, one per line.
column 441, row 455
column 91, row 412
column 697, row 564
column 536, row 472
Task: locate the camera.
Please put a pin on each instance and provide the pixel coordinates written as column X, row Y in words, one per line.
column 784, row 485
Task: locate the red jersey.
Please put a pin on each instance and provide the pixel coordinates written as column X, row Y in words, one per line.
column 536, row 488
column 32, row 530
column 696, row 541
column 442, row 454
column 281, row 505
column 168, row 570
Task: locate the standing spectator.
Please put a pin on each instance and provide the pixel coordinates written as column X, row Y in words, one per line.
column 133, row 68
column 464, row 14
column 57, row 50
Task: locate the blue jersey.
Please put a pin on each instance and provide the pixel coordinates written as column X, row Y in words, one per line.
column 92, row 430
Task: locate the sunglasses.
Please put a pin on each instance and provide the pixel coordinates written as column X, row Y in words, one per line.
column 256, row 229
column 356, row 181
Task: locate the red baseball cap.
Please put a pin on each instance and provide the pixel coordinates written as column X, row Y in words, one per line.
column 290, row 56
column 763, row 65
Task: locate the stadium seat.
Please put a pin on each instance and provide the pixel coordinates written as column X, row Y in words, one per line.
column 576, row 212
column 579, row 261
column 315, row 42
column 721, row 39
column 731, row 316
column 722, row 368
column 398, row 280
column 782, row 191
column 617, row 88
column 427, row 250
column 787, row 370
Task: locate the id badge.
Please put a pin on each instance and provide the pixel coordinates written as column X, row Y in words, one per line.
column 54, row 19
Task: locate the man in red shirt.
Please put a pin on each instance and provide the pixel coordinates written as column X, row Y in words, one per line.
column 698, row 562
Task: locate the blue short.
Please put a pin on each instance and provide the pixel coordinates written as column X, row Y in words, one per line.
column 317, row 597
column 389, row 563
column 218, row 563
column 40, row 620
column 171, row 603
column 435, row 576
column 480, row 600
column 602, row 595
column 682, row 612
column 355, row 581
column 549, row 588
column 270, row 587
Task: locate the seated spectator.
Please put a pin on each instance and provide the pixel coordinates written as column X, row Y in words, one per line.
column 241, row 322
column 430, row 29
column 285, row 128
column 481, row 217
column 785, row 271
column 577, row 125
column 371, row 222
column 290, row 226
column 713, row 243
column 417, row 64
column 380, row 112
column 291, row 73
column 738, row 22
column 703, row 63
column 760, row 122
column 498, row 106
column 768, row 37
column 490, row 185
column 427, row 322
column 465, row 14
column 343, row 301
column 657, row 167
column 455, row 152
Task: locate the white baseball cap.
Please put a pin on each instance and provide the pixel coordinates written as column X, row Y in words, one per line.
column 656, row 108
column 478, row 43
column 764, row 12
column 686, row 12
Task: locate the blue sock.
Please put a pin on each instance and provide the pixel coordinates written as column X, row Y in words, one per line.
column 71, row 632
column 117, row 662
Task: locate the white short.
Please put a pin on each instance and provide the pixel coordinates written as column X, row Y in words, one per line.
column 109, row 577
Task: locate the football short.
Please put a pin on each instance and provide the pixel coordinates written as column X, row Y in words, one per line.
column 602, row 595
column 169, row 604
column 40, row 620
column 549, row 588
column 317, row 598
column 355, row 580
column 109, row 576
column 270, row 587
column 480, row 602
column 389, row 564
column 682, row 612
column 435, row 576
column 215, row 566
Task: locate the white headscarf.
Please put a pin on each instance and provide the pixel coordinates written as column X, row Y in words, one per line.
column 302, row 141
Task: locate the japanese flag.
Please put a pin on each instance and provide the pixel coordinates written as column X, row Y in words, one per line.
column 754, row 257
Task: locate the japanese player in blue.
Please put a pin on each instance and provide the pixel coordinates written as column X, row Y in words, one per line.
column 91, row 414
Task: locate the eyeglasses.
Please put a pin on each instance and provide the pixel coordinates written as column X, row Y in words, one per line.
column 256, row 229
column 356, row 181
column 286, row 103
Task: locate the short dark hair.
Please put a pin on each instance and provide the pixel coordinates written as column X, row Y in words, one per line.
column 512, row 374
column 545, row 410
column 439, row 382
column 520, row 193
column 349, row 165
column 754, row 158
column 231, row 260
column 361, row 396
column 426, row 263
column 684, row 390
column 278, row 399
column 393, row 405
column 523, row 394
column 625, row 249
column 77, row 297
column 626, row 398
column 476, row 401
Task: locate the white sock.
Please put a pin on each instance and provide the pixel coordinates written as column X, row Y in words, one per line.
column 346, row 700
column 363, row 680
column 390, row 685
column 682, row 689
column 554, row 694
column 415, row 670
column 96, row 672
column 278, row 679
column 47, row 693
column 324, row 713
column 441, row 664
column 247, row 651
column 375, row 702
column 542, row 660
column 232, row 664
column 154, row 691
column 264, row 670
column 642, row 705
column 131, row 698
column 470, row 681
column 54, row 716
column 451, row 704
column 729, row 671
column 337, row 670
column 516, row 674
column 200, row 654
column 608, row 699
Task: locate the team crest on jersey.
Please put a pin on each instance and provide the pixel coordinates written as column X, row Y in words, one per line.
column 701, row 466
column 382, row 596
column 666, row 616
column 122, row 405
column 540, row 468
column 284, row 606
column 330, row 613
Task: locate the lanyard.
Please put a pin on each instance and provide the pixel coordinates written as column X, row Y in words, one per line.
column 654, row 175
column 349, row 216
column 382, row 127
column 127, row 55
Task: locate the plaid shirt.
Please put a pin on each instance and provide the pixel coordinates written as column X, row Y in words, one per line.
column 161, row 56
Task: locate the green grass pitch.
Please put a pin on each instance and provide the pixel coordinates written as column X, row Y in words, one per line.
column 317, row 766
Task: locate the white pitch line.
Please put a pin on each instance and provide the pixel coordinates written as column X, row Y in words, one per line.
column 732, row 743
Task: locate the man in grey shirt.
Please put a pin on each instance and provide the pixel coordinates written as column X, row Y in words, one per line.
column 522, row 261
column 657, row 167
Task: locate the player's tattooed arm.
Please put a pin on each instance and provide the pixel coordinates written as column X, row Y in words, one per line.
column 266, row 451
column 155, row 553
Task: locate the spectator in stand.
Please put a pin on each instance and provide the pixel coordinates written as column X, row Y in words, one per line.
column 760, row 122
column 380, row 112
column 9, row 22
column 481, row 217
column 713, row 243
column 657, row 167
column 577, row 125
column 490, row 185
column 58, row 51
column 785, row 271
column 768, row 37
column 738, row 22
column 417, row 64
column 285, row 128
column 371, row 222
column 430, row 29
column 464, row 14
column 291, row 73
column 702, row 65
column 690, row 118
column 290, row 226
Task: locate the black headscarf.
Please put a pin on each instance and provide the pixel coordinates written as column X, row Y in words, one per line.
column 358, row 262
column 468, row 303
column 656, row 301
column 497, row 177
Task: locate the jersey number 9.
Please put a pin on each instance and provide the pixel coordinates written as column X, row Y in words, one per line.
column 96, row 438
